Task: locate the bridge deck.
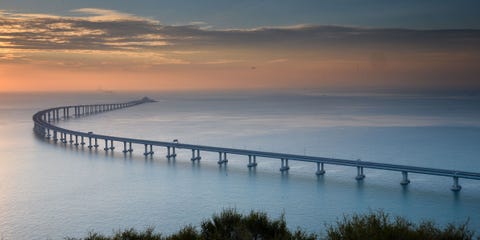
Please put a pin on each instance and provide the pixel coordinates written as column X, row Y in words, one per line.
column 39, row 120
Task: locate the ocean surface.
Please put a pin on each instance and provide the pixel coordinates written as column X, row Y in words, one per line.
column 50, row 191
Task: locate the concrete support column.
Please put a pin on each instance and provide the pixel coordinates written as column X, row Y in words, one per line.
column 76, row 140
column 250, row 163
column 455, row 187
column 285, row 166
column 63, row 137
column 55, row 139
column 48, row 134
column 90, row 142
column 106, row 145
column 111, row 145
column 405, row 181
column 146, row 150
column 71, row 140
column 49, row 117
column 197, row 157
column 171, row 155
column 83, row 141
column 130, row 149
column 193, row 155
column 222, row 160
column 360, row 175
column 320, row 169
column 146, row 153
column 125, row 147
column 96, row 143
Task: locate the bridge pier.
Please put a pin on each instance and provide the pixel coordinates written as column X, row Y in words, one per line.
column 194, row 158
column 405, row 181
column 48, row 134
column 64, row 138
column 71, row 140
column 250, row 163
column 320, row 169
column 455, row 187
column 146, row 153
column 171, row 155
column 284, row 166
column 76, row 140
column 106, row 145
column 220, row 160
column 130, row 149
column 55, row 139
column 90, row 142
column 61, row 137
column 111, row 145
column 96, row 143
column 125, row 147
column 83, row 141
column 360, row 176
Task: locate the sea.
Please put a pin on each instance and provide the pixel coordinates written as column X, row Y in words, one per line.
column 53, row 190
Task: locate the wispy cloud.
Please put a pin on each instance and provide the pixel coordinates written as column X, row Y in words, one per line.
column 102, row 30
column 105, row 15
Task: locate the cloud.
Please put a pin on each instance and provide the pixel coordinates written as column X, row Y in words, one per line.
column 102, row 30
column 105, row 15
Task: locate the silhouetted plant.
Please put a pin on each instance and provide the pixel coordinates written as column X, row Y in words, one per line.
column 232, row 225
column 188, row 232
column 379, row 225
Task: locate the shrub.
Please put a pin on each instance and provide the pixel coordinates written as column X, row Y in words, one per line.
column 232, row 225
column 379, row 225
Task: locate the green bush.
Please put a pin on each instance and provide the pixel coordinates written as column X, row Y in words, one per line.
column 230, row 224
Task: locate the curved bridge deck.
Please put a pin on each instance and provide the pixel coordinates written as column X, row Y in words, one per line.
column 44, row 128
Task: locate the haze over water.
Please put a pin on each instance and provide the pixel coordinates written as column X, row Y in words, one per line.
column 51, row 190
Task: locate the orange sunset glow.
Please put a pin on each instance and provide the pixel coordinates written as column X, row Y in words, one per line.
column 112, row 50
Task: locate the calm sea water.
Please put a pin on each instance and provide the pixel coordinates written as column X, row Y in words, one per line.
column 49, row 191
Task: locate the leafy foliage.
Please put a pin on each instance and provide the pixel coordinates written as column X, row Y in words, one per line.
column 232, row 225
column 379, row 225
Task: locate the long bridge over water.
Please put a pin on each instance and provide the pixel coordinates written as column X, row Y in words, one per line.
column 44, row 127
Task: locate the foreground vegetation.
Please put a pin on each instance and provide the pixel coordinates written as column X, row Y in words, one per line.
column 231, row 224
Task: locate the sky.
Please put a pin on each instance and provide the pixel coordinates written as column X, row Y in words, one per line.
column 338, row 45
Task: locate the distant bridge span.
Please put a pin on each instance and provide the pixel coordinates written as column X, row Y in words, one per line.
column 43, row 127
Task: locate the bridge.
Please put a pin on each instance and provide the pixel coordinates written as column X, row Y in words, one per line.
column 44, row 127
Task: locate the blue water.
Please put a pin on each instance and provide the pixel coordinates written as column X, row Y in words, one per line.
column 51, row 191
